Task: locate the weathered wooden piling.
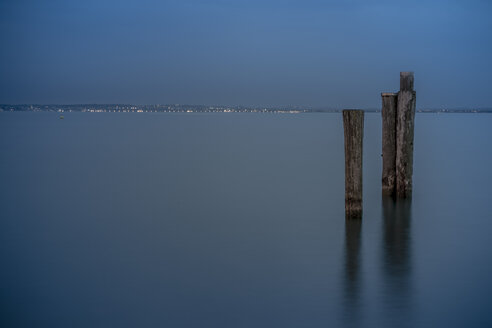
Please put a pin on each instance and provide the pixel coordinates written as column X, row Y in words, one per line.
column 388, row 113
column 398, row 113
column 353, row 126
column 405, row 117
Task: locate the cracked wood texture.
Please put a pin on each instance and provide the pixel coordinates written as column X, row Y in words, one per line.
column 388, row 113
column 353, row 127
column 405, row 118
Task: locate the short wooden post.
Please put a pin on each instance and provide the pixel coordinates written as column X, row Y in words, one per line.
column 404, row 135
column 353, row 126
column 388, row 113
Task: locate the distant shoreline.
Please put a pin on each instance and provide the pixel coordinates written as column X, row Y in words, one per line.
column 177, row 108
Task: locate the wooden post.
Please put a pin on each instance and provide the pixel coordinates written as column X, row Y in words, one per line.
column 388, row 113
column 353, row 126
column 404, row 135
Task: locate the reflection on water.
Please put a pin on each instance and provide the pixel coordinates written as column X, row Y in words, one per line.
column 395, row 291
column 352, row 270
column 396, row 257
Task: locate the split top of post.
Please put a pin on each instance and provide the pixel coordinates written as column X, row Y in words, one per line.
column 406, row 81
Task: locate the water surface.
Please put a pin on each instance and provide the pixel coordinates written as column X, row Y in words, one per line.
column 237, row 220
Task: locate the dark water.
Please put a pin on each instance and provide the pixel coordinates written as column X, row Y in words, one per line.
column 237, row 220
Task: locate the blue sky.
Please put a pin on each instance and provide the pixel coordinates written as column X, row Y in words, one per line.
column 269, row 53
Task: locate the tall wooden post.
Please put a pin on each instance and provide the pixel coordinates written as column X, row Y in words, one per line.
column 404, row 135
column 388, row 113
column 353, row 126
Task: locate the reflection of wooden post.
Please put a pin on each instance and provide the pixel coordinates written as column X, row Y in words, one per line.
column 353, row 126
column 352, row 261
column 388, row 113
column 404, row 135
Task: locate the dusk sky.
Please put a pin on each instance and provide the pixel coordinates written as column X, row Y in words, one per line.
column 313, row 53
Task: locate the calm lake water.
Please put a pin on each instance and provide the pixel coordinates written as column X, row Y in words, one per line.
column 237, row 220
